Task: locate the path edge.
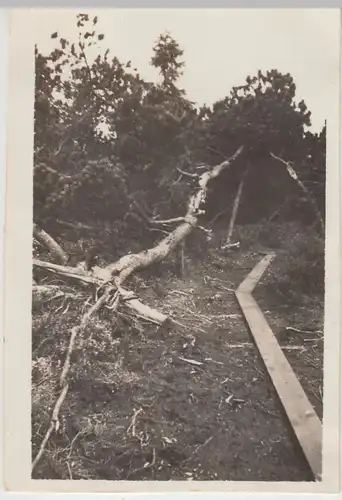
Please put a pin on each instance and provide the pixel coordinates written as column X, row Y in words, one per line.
column 301, row 415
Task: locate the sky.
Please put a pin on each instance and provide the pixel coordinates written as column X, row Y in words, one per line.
column 221, row 46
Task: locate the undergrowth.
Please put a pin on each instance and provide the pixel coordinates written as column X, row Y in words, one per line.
column 114, row 363
column 298, row 270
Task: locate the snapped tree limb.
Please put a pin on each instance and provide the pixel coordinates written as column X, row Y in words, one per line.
column 128, row 264
column 55, row 249
column 293, row 174
column 79, row 274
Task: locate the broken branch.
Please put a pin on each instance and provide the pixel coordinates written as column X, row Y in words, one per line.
column 54, row 248
column 293, row 174
column 63, row 378
column 67, row 271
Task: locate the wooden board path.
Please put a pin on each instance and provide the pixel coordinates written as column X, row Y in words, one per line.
column 302, row 416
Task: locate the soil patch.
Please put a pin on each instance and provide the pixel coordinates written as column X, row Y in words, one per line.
column 147, row 403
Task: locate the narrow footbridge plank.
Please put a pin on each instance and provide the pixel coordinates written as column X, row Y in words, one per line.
column 302, row 416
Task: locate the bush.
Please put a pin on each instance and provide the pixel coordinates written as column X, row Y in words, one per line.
column 298, row 270
column 302, row 271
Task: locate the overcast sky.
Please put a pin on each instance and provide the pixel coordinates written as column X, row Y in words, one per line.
column 221, row 47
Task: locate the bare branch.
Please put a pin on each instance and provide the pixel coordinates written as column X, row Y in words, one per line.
column 291, row 171
column 69, row 272
column 54, row 423
column 187, row 173
column 168, row 221
column 76, row 225
column 235, row 210
column 55, row 249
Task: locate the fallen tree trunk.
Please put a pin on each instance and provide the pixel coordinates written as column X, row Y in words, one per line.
column 119, row 271
column 127, row 265
column 54, row 248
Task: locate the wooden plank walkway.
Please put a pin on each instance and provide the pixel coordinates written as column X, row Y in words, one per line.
column 302, row 416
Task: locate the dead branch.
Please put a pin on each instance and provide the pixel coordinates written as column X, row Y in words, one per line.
column 231, row 245
column 198, row 447
column 218, row 215
column 208, row 232
column 181, row 258
column 191, row 361
column 140, row 209
column 168, row 221
column 293, row 174
column 133, row 421
column 69, row 272
column 293, row 329
column 279, row 209
column 99, row 277
column 54, row 422
column 52, row 426
column 186, row 173
column 75, row 331
column 55, row 249
column 235, row 210
column 76, row 225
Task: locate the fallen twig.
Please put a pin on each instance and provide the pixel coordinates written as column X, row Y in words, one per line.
column 293, row 348
column 147, row 465
column 214, row 361
column 187, row 173
column 293, row 329
column 133, row 422
column 54, row 423
column 191, row 361
column 207, row 441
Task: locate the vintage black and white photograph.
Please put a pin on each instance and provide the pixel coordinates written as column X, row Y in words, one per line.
column 178, row 245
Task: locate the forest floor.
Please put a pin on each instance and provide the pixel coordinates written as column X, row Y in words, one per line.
column 190, row 403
